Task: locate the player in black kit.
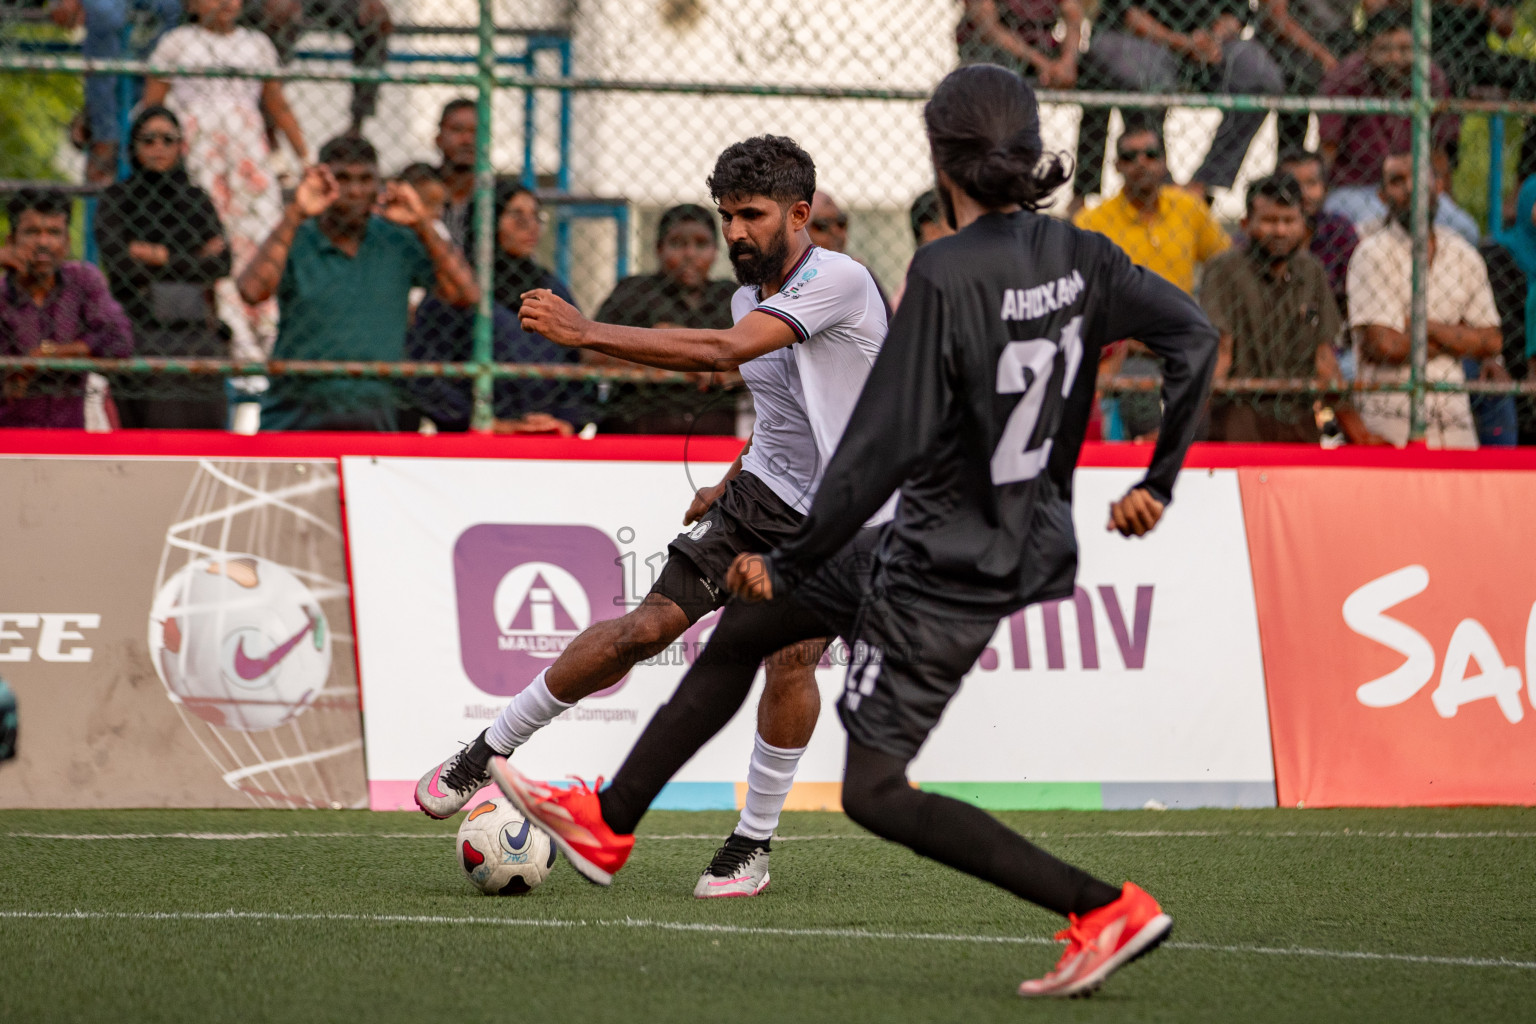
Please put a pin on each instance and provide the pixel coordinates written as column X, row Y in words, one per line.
column 976, row 409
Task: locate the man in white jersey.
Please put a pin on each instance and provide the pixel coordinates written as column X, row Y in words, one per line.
column 808, row 325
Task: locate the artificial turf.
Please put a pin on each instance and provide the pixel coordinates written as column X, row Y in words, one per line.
column 1397, row 915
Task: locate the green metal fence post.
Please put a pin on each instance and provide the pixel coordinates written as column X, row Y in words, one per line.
column 1423, row 181
column 485, row 233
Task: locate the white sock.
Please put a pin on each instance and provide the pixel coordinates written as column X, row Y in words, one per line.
column 769, row 777
column 529, row 712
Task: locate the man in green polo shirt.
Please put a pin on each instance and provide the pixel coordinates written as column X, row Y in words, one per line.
column 342, row 276
column 1273, row 306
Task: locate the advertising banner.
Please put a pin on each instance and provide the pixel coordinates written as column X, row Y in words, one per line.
column 178, row 634
column 1397, row 611
column 472, row 575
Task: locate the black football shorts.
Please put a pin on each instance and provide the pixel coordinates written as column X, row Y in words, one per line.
column 749, row 517
column 907, row 652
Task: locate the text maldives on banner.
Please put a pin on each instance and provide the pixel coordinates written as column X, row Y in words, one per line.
column 524, row 593
column 1396, row 613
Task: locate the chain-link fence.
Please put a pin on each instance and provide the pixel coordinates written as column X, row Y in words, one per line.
column 1281, row 161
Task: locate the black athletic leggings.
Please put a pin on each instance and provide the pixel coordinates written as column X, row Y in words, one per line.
column 876, row 793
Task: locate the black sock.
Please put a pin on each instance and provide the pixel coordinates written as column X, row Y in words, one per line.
column 711, row 692
column 876, row 795
column 479, row 752
column 764, row 843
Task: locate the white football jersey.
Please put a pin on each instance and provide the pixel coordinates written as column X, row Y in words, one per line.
column 805, row 393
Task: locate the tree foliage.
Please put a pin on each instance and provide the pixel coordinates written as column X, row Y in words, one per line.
column 35, row 110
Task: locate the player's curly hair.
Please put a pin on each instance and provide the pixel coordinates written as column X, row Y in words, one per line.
column 984, row 130
column 768, row 165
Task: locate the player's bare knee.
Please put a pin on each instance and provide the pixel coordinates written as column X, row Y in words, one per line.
column 799, row 658
column 649, row 628
column 791, row 673
column 790, row 681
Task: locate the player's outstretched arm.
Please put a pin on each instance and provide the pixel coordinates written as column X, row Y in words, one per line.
column 1165, row 319
column 670, row 348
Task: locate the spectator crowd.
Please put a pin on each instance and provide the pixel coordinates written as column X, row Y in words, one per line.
column 204, row 254
column 1313, row 291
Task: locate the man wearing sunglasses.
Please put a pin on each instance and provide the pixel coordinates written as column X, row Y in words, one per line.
column 1159, row 225
column 828, row 228
column 1163, row 228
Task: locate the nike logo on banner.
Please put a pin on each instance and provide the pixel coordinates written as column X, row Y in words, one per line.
column 249, row 668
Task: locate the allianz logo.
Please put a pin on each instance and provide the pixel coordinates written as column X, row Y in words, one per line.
column 1130, row 625
column 1365, row 612
column 52, row 636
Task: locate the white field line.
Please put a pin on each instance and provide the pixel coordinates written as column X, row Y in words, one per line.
column 725, row 929
column 715, row 836
column 222, row 836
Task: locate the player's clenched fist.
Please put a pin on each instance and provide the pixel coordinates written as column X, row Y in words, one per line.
column 548, row 314
column 1135, row 514
column 703, row 500
column 748, row 578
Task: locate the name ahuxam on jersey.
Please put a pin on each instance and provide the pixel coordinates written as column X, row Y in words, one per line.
column 1033, row 303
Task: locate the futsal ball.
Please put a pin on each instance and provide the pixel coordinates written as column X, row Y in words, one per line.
column 240, row 642
column 503, row 853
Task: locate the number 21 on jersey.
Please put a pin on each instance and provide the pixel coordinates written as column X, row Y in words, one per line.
column 1027, row 366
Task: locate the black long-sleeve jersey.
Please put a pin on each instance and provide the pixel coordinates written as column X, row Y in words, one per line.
column 978, row 403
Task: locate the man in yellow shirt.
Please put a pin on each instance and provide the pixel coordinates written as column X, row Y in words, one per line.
column 1160, row 226
column 1165, row 229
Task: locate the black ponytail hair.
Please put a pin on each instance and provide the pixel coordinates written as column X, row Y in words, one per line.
column 984, row 130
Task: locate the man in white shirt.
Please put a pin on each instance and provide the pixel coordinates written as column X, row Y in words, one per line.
column 1463, row 320
column 808, row 325
column 1446, row 214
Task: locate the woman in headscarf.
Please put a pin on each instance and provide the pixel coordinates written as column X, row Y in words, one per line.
column 441, row 332
column 520, row 220
column 162, row 247
column 227, row 148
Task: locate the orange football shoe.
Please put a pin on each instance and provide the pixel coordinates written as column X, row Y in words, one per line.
column 1101, row 942
column 573, row 819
